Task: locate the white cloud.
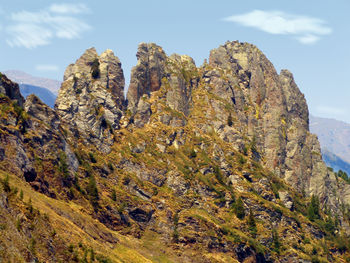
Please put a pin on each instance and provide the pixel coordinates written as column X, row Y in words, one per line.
column 330, row 110
column 28, row 35
column 307, row 30
column 46, row 67
column 69, row 8
column 308, row 39
column 32, row 29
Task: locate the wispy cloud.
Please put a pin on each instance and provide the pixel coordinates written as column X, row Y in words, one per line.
column 69, row 8
column 330, row 110
column 46, row 67
column 32, row 29
column 307, row 30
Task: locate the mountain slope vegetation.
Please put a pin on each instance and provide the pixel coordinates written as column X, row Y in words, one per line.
column 199, row 164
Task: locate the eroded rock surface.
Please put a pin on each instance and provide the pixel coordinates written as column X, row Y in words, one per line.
column 91, row 98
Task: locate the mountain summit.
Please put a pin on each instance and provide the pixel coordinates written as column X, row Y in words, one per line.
column 210, row 163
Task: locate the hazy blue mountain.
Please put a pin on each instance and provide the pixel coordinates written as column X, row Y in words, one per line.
column 21, row 77
column 334, row 137
column 335, row 161
column 44, row 94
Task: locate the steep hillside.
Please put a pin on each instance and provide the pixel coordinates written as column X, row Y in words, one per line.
column 200, row 164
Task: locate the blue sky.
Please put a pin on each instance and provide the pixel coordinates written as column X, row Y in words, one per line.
column 310, row 38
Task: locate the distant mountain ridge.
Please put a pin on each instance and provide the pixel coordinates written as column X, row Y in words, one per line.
column 333, row 135
column 24, row 78
column 334, row 161
column 44, row 94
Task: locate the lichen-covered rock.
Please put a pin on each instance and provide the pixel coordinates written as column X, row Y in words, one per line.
column 246, row 79
column 147, row 75
column 174, row 77
column 36, row 108
column 268, row 108
column 91, row 98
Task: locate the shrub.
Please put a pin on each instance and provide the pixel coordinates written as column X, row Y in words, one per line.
column 103, row 259
column 252, row 224
column 92, row 255
column 76, row 183
column 238, row 208
column 31, row 246
column 95, row 69
column 193, row 154
column 175, row 232
column 242, row 160
column 114, row 195
column 110, row 166
column 313, row 211
column 343, row 175
column 275, row 188
column 92, row 191
column 18, row 224
column 63, row 168
column 314, row 259
column 218, row 175
column 275, row 241
column 6, row 184
column 92, row 157
column 329, row 225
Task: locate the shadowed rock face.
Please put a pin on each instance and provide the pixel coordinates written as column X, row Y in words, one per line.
column 155, row 71
column 91, row 97
column 268, row 107
column 10, row 89
column 147, row 75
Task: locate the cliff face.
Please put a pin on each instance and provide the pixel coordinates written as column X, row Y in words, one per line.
column 208, row 164
column 33, row 144
column 154, row 70
column 267, row 109
column 91, row 98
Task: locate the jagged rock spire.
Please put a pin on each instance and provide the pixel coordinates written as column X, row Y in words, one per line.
column 91, row 97
column 175, row 75
column 147, row 75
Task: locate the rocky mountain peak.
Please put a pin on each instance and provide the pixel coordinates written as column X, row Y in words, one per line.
column 210, row 162
column 295, row 100
column 39, row 110
column 146, row 76
column 82, row 65
column 91, row 97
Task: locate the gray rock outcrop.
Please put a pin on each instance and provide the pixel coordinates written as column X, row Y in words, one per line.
column 91, row 98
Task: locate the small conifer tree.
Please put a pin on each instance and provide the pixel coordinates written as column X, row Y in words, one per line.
column 239, row 208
